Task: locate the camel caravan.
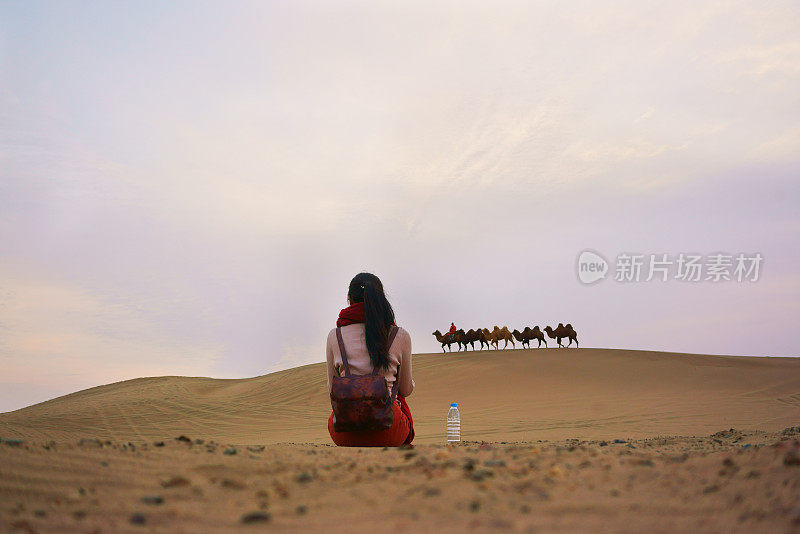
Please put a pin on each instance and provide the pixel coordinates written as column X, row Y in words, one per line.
column 493, row 337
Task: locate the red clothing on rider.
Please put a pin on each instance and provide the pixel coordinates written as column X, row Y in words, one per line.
column 452, row 328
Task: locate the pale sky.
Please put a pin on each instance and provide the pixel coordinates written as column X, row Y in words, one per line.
column 187, row 188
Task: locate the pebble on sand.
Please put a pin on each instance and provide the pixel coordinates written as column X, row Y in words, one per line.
column 174, row 482
column 232, row 484
column 555, row 472
column 138, row 519
column 255, row 517
column 480, row 474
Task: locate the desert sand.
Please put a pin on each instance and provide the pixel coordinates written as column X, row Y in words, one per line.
column 589, row 439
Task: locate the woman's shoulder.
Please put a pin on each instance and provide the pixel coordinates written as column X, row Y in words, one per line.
column 402, row 335
column 354, row 326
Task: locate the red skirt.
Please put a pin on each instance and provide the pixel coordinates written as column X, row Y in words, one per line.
column 401, row 432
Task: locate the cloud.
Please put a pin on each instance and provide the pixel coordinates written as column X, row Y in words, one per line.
column 783, row 146
column 298, row 355
column 189, row 206
column 54, row 331
column 646, row 115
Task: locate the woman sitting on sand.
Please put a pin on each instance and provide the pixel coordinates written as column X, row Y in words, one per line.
column 365, row 327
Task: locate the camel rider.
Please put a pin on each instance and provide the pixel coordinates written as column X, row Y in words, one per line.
column 452, row 332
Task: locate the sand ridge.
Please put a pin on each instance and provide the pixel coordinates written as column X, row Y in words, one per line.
column 503, row 396
column 556, row 440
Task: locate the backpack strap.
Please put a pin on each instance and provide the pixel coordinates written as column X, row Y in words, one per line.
column 342, row 351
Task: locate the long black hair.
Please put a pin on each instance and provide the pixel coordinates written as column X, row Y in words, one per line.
column 378, row 316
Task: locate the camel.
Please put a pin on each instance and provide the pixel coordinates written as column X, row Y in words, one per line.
column 444, row 339
column 572, row 335
column 489, row 338
column 460, row 337
column 470, row 337
column 521, row 338
column 494, row 336
column 484, row 337
column 536, row 334
column 562, row 332
column 504, row 334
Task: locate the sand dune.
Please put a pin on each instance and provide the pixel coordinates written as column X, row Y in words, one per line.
column 142, row 474
column 515, row 395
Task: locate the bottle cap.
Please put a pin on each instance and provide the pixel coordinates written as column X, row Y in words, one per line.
column 453, row 405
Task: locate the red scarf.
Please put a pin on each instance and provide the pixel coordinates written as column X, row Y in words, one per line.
column 351, row 315
column 355, row 314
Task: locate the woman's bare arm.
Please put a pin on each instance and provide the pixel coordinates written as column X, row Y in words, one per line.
column 329, row 357
column 405, row 376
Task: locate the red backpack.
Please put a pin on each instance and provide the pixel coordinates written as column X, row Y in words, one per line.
column 361, row 402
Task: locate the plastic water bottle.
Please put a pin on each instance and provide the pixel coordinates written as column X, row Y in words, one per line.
column 453, row 424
